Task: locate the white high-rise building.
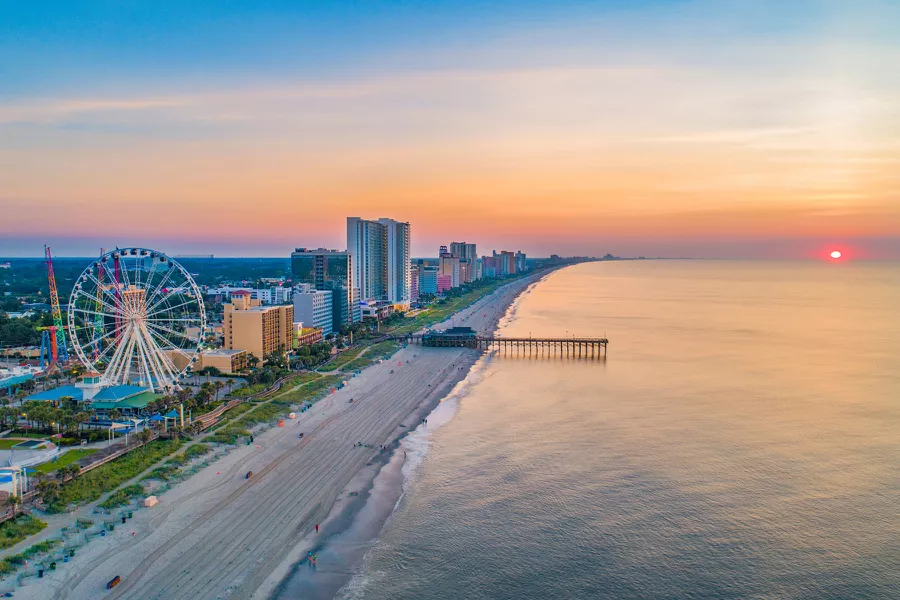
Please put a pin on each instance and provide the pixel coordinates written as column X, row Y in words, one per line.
column 398, row 262
column 367, row 244
column 313, row 307
column 380, row 259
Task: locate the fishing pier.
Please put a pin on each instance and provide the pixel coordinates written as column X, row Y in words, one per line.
column 465, row 337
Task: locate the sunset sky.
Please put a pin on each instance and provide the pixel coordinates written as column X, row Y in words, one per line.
column 660, row 127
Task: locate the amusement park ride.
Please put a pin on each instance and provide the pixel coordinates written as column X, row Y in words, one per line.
column 53, row 337
column 134, row 315
column 137, row 316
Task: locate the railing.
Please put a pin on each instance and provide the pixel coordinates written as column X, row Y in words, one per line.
column 212, row 417
column 128, row 448
column 569, row 347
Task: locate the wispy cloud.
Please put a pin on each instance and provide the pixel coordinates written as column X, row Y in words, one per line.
column 46, row 111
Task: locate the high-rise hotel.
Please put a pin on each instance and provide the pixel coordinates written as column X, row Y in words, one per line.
column 329, row 270
column 380, row 259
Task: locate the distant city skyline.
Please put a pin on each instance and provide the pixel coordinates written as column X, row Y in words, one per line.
column 652, row 127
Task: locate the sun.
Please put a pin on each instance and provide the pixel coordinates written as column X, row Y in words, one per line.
column 836, row 254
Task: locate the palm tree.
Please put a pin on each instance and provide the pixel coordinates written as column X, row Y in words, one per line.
column 81, row 418
column 218, row 385
column 48, row 490
column 183, row 394
column 70, row 470
column 13, row 502
column 145, row 435
column 196, row 427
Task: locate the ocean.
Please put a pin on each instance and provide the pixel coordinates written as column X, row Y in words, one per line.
column 742, row 440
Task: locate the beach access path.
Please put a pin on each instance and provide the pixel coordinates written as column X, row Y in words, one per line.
column 220, row 534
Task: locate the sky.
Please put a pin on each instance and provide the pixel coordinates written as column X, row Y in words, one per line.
column 714, row 128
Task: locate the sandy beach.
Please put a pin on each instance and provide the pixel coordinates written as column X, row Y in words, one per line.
column 220, row 535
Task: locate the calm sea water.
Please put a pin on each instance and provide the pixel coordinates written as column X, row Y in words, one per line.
column 741, row 441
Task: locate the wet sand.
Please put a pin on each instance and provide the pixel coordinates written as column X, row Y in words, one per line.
column 220, row 535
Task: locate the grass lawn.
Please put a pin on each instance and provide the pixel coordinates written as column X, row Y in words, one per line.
column 7, row 443
column 277, row 406
column 376, row 352
column 66, row 459
column 342, row 359
column 247, row 390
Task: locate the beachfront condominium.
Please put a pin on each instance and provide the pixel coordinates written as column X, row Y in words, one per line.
column 258, row 329
column 367, row 244
column 507, row 262
column 413, row 284
column 428, row 279
column 329, row 270
column 521, row 262
column 468, row 256
column 380, row 259
column 449, row 267
column 490, row 266
column 398, row 272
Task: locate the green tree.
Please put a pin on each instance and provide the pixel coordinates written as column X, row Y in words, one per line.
column 13, row 502
column 81, row 418
column 48, row 490
column 145, row 435
column 276, row 360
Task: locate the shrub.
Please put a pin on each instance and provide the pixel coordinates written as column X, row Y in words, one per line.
column 15, row 530
column 93, row 484
column 163, row 473
column 190, row 453
column 229, row 435
column 123, row 496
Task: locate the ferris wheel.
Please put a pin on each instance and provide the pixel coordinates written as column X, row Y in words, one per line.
column 138, row 317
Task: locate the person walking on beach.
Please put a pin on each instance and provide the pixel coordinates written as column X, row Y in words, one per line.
column 317, row 528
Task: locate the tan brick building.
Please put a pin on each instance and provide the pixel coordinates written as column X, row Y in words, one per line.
column 260, row 330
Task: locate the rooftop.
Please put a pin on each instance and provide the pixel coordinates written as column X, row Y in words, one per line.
column 140, row 400
column 116, row 393
column 221, row 352
column 56, row 394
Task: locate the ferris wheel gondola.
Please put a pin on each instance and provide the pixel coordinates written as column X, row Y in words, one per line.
column 138, row 317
